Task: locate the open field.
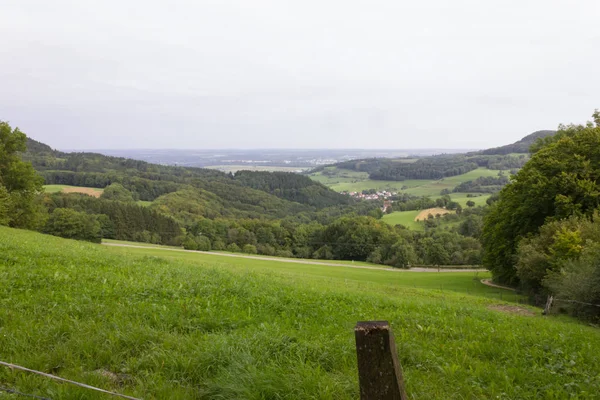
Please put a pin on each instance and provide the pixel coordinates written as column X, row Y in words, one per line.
column 461, row 198
column 424, row 214
column 434, row 187
column 406, row 218
column 73, row 189
column 347, row 180
column 157, row 324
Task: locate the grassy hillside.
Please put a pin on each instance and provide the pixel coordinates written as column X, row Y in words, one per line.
column 181, row 325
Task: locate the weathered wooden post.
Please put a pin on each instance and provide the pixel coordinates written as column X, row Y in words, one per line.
column 379, row 371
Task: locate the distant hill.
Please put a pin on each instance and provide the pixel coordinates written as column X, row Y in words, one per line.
column 521, row 146
column 246, row 194
column 445, row 165
column 35, row 147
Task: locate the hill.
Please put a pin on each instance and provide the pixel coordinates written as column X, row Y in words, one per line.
column 441, row 166
column 152, row 324
column 149, row 181
column 521, row 146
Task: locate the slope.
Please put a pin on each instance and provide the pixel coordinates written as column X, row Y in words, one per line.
column 152, row 327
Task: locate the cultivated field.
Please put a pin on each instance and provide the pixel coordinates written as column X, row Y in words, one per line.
column 154, row 323
column 95, row 192
column 424, row 214
column 352, row 181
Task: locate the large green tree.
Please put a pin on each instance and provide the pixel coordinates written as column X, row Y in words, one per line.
column 561, row 179
column 20, row 185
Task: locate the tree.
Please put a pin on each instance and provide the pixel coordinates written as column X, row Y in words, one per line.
column 117, row 192
column 71, row 224
column 470, row 203
column 561, row 179
column 20, row 185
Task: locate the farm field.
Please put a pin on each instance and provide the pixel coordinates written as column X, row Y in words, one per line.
column 434, row 187
column 157, row 324
column 73, row 189
column 352, row 181
column 462, row 198
column 406, row 218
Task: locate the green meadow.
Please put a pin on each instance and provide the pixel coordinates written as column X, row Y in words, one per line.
column 157, row 324
column 406, row 218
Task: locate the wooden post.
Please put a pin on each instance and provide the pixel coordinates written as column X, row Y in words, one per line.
column 379, row 371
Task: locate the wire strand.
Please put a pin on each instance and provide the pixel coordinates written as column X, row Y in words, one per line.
column 8, row 390
column 83, row 385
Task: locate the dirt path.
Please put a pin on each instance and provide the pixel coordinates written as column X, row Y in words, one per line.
column 488, row 282
column 298, row 261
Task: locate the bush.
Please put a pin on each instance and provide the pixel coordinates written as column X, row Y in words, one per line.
column 190, row 244
column 232, row 247
column 284, row 253
column 578, row 281
column 249, row 249
column 218, row 245
column 203, row 243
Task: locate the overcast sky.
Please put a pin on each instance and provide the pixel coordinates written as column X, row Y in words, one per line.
column 296, row 74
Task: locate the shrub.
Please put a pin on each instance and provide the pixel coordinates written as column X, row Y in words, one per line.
column 232, row 247
column 249, row 249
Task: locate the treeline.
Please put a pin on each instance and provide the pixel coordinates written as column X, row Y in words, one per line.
column 483, row 184
column 118, row 220
column 501, row 162
column 406, row 202
column 425, row 168
column 346, row 238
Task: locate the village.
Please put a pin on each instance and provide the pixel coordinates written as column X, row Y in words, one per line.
column 371, row 195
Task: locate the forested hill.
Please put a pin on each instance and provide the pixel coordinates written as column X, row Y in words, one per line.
column 277, row 194
column 293, row 187
column 521, row 146
column 509, row 157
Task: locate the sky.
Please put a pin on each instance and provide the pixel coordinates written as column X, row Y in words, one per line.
column 202, row 74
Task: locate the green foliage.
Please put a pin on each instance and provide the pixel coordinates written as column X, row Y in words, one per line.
column 20, row 185
column 249, row 249
column 123, row 221
column 560, row 180
column 292, row 187
column 72, row 224
column 233, row 248
column 117, row 192
column 578, row 280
